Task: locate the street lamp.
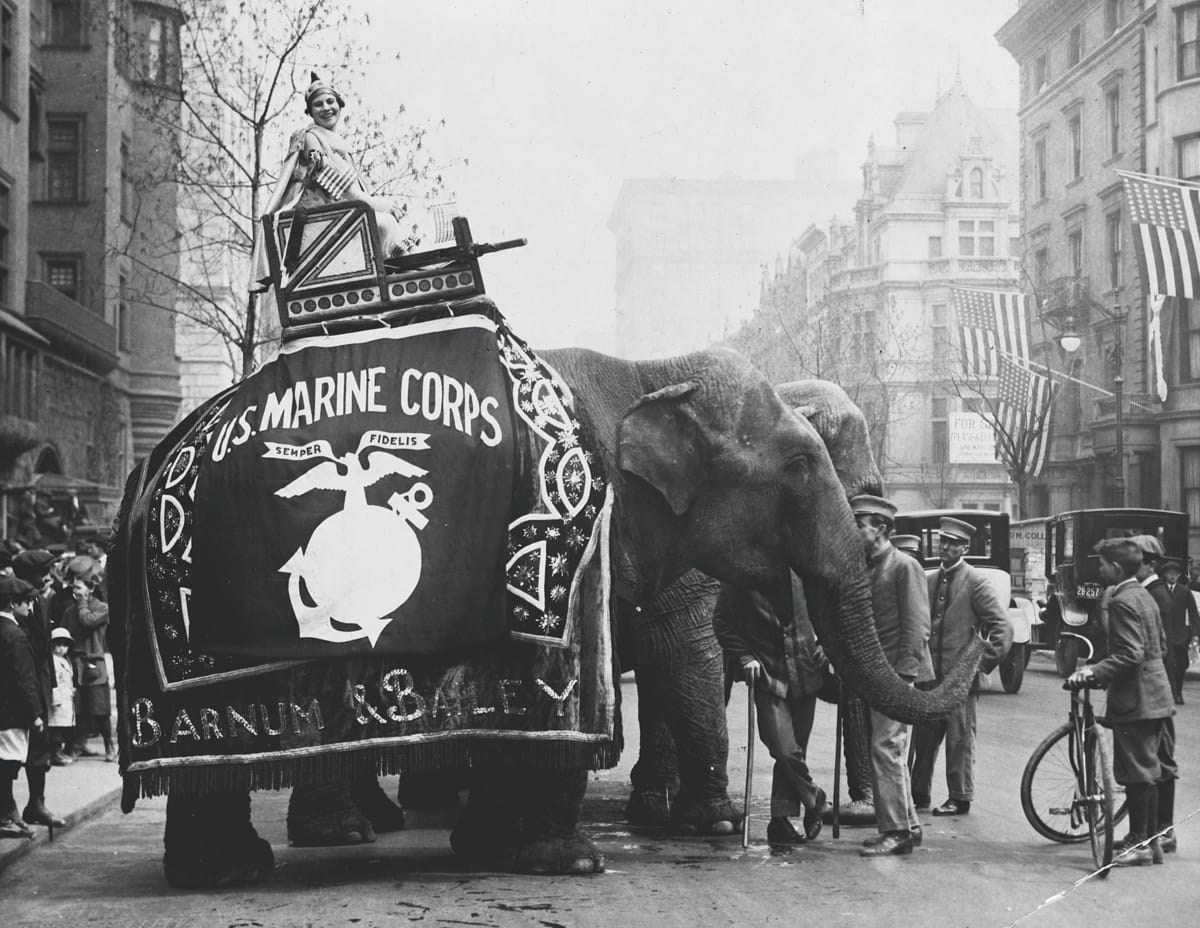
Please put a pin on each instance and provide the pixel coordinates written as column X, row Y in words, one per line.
column 1070, row 341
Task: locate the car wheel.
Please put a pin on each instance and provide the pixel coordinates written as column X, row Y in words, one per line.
column 1012, row 668
column 1066, row 656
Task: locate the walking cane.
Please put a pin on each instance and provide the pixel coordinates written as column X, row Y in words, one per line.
column 751, row 735
column 837, row 764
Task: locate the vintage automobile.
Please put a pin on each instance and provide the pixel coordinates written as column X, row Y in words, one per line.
column 1071, row 620
column 989, row 552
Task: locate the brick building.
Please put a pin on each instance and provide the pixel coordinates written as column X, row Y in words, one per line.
column 90, row 379
column 1108, row 85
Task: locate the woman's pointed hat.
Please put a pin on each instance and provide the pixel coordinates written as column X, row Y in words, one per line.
column 316, row 85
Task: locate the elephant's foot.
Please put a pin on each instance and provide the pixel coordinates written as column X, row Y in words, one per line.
column 326, row 816
column 370, row 799
column 573, row 855
column 648, row 807
column 210, row 843
column 712, row 818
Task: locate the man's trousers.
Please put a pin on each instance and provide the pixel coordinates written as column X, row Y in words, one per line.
column 784, row 726
column 894, row 809
column 958, row 731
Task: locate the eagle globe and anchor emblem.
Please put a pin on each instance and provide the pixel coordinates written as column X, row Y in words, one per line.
column 332, row 598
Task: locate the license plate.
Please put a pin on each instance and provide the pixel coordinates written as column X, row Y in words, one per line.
column 1087, row 591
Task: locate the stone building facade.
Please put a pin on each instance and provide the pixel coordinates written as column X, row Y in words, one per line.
column 868, row 303
column 90, row 376
column 1109, row 85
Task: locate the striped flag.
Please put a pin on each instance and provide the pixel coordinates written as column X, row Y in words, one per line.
column 992, row 324
column 1024, row 408
column 1164, row 216
column 335, row 181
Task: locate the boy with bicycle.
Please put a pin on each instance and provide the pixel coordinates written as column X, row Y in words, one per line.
column 1139, row 701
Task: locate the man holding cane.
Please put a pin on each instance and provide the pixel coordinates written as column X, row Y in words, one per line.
column 782, row 664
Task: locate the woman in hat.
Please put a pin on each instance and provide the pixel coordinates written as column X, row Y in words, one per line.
column 20, row 702
column 320, row 169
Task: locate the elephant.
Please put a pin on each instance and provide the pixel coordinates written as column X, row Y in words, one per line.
column 680, row 779
column 711, row 471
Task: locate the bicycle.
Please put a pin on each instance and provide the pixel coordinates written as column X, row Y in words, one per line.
column 1067, row 790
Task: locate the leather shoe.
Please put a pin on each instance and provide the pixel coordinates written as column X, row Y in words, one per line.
column 62, row 760
column 917, row 835
column 1168, row 842
column 36, row 813
column 14, row 828
column 892, row 844
column 812, row 816
column 953, row 807
column 83, row 750
column 1179, row 700
column 782, row 831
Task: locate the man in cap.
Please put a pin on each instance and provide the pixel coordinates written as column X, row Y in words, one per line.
column 33, row 566
column 1180, row 622
column 909, row 544
column 900, row 602
column 1151, row 550
column 963, row 605
column 20, row 704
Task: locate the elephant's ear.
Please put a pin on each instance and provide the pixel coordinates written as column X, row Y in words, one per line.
column 808, row 410
column 660, row 442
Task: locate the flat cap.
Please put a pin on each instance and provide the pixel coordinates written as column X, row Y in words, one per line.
column 33, row 564
column 866, row 504
column 910, row 543
column 1170, row 563
column 15, row 588
column 956, row 529
column 1149, row 545
column 81, row 567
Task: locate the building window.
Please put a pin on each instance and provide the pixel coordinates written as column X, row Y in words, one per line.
column 976, row 184
column 1187, row 29
column 65, row 153
column 1039, row 169
column 1188, row 157
column 161, row 59
column 62, row 273
column 1112, row 111
column 1112, row 228
column 976, row 238
column 8, row 77
column 940, row 430
column 122, row 313
column 66, row 23
column 126, row 182
column 1114, row 15
column 1189, row 323
column 1041, row 73
column 18, row 381
column 1075, row 45
column 5, row 244
column 1041, row 261
column 1075, row 129
column 1189, row 467
column 935, row 246
column 939, row 322
column 1014, row 246
column 1075, row 253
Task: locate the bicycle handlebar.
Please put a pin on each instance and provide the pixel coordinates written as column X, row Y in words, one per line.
column 1089, row 685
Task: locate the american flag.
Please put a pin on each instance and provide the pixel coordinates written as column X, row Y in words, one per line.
column 1164, row 216
column 334, row 181
column 992, row 324
column 1024, row 406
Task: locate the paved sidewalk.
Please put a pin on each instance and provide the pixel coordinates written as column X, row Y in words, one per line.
column 76, row 793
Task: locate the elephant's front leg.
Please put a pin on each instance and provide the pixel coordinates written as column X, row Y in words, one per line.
column 210, row 842
column 680, row 669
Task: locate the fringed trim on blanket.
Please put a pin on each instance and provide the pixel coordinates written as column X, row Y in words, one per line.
column 286, row 772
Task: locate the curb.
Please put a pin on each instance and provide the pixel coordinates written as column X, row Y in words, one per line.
column 41, row 835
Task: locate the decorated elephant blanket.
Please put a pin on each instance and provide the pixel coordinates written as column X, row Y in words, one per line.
column 386, row 549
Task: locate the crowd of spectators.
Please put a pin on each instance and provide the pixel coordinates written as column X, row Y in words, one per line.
column 57, row 692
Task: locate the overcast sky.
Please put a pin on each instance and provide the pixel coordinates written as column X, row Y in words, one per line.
column 554, row 102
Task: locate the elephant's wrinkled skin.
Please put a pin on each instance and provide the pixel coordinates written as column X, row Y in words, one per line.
column 680, row 779
column 711, row 471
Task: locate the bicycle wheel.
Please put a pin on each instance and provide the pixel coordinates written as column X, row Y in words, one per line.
column 1048, row 788
column 1099, row 798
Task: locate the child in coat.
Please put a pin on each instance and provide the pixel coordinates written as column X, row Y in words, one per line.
column 62, row 700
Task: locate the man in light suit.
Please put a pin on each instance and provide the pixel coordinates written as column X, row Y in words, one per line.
column 962, row 604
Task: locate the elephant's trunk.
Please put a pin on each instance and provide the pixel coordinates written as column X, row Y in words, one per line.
column 842, row 617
